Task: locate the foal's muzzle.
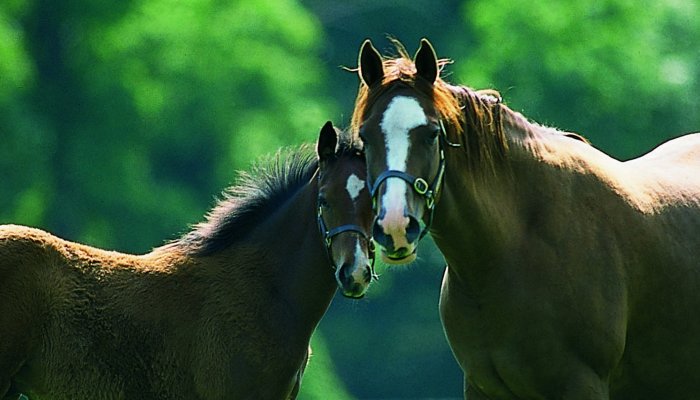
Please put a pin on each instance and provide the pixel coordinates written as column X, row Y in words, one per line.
column 353, row 284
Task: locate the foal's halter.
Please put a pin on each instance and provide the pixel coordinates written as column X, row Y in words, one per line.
column 428, row 191
column 329, row 234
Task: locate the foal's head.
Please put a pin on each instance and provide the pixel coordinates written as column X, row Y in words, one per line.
column 402, row 130
column 345, row 211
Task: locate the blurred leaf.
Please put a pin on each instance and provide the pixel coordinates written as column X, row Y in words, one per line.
column 605, row 69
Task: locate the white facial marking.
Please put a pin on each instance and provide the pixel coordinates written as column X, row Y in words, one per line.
column 402, row 114
column 354, row 186
column 360, row 259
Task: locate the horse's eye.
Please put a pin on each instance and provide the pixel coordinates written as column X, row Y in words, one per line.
column 433, row 134
column 322, row 202
column 362, row 137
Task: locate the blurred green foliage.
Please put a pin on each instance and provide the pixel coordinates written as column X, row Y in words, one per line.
column 113, row 115
column 119, row 122
column 623, row 73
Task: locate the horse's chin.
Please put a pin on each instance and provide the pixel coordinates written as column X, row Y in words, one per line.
column 354, row 290
column 389, row 259
column 353, row 295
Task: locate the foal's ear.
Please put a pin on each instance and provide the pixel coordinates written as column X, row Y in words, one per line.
column 426, row 61
column 370, row 64
column 327, row 141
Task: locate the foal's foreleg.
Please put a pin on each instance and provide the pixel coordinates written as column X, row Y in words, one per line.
column 4, row 387
column 14, row 348
column 6, row 374
column 11, row 394
column 300, row 373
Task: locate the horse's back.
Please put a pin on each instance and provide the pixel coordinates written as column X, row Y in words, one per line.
column 23, row 238
column 22, row 252
column 661, row 347
column 667, row 179
column 683, row 150
column 676, row 161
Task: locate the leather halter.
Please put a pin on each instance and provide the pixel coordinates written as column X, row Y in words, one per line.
column 329, row 234
column 428, row 191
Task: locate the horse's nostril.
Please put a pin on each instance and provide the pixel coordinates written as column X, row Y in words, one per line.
column 378, row 233
column 413, row 229
column 367, row 275
column 349, row 286
column 344, row 275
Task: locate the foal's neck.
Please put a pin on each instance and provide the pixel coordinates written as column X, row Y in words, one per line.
column 290, row 244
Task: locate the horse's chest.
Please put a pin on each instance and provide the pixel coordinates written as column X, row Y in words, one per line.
column 520, row 344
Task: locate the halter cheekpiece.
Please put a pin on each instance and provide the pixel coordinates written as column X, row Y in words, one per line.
column 329, row 234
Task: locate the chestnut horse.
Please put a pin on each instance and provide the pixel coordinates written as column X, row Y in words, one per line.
column 225, row 312
column 571, row 275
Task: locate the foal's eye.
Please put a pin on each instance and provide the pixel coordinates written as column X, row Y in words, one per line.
column 362, row 137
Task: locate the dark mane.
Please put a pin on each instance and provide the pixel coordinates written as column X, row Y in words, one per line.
column 270, row 183
column 476, row 117
column 481, row 134
column 257, row 193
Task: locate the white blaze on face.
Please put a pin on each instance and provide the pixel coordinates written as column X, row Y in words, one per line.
column 358, row 275
column 354, row 186
column 401, row 116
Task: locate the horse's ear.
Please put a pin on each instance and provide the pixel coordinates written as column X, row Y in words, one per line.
column 370, row 64
column 327, row 141
column 426, row 61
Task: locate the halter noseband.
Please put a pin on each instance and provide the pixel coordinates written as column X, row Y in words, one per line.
column 329, row 234
column 427, row 190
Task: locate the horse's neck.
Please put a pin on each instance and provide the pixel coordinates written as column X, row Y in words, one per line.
column 290, row 243
column 483, row 212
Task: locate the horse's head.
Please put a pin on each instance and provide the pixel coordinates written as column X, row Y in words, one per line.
column 345, row 211
column 402, row 133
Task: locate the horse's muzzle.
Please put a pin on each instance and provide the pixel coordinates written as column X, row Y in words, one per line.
column 398, row 243
column 353, row 284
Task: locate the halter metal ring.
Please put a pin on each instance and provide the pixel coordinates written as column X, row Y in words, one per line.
column 429, row 200
column 420, row 186
column 329, row 234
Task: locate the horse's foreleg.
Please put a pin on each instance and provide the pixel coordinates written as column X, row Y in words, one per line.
column 14, row 345
column 586, row 385
column 297, row 385
column 471, row 393
column 6, row 390
column 7, row 393
column 12, row 395
column 4, row 387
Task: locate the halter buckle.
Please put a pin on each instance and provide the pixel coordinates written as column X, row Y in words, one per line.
column 420, row 186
